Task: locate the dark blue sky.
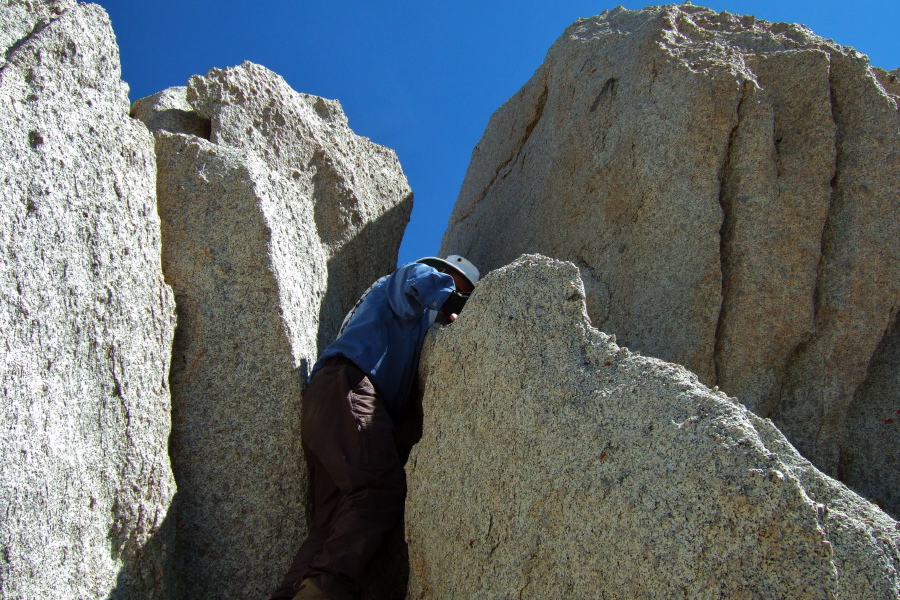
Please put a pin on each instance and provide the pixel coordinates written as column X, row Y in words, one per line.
column 419, row 77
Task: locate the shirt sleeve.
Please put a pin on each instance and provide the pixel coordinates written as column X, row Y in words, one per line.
column 415, row 287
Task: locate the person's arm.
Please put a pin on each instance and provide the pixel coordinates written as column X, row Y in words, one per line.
column 414, row 287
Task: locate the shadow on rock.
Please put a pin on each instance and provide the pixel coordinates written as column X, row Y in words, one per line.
column 356, row 263
column 149, row 569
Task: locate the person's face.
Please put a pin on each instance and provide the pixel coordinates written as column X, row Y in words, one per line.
column 462, row 284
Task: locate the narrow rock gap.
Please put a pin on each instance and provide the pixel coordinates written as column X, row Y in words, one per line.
column 776, row 397
column 834, row 184
column 824, row 242
column 726, row 229
column 529, row 129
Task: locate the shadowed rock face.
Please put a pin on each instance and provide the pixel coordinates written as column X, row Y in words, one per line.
column 728, row 187
column 272, row 228
column 575, row 468
column 87, row 319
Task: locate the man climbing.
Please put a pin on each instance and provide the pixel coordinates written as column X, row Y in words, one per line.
column 358, row 388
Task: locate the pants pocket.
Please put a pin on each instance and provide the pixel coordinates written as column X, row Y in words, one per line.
column 375, row 428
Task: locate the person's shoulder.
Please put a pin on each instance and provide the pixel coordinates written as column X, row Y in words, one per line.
column 415, row 269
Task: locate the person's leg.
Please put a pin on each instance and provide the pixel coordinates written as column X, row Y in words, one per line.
column 359, row 484
column 364, row 464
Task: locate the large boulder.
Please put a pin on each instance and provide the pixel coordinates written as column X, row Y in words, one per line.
column 557, row 464
column 272, row 228
column 87, row 320
column 728, row 187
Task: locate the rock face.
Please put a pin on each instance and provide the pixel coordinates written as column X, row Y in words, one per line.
column 272, row 228
column 87, row 319
column 169, row 110
column 574, row 468
column 728, row 187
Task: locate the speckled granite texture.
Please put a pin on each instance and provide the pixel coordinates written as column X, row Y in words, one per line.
column 729, row 189
column 556, row 464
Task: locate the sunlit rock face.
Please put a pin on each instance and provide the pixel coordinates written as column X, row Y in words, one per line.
column 556, row 464
column 728, row 188
column 169, row 110
column 87, row 320
column 272, row 228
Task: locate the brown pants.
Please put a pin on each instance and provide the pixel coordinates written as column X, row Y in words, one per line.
column 358, row 481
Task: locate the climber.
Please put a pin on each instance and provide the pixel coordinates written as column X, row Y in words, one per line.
column 358, row 389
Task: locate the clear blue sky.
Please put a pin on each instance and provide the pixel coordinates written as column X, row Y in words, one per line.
column 419, row 77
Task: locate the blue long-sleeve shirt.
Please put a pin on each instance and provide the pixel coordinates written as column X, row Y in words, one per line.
column 383, row 335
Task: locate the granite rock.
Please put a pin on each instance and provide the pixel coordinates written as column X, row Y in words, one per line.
column 869, row 462
column 360, row 198
column 575, row 468
column 169, row 110
column 87, row 320
column 235, row 380
column 728, row 187
column 21, row 20
column 272, row 228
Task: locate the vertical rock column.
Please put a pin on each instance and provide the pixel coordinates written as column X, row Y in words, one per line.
column 271, row 230
column 235, row 443
column 87, row 320
column 858, row 288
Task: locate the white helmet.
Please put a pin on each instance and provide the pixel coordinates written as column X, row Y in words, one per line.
column 458, row 263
